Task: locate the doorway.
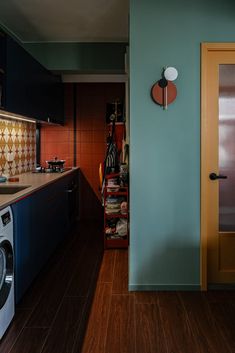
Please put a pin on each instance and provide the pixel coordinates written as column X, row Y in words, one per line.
column 217, row 164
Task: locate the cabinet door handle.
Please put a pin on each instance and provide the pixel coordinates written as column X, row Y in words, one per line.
column 72, row 190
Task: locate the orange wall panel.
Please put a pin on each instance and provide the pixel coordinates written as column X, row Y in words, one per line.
column 91, row 131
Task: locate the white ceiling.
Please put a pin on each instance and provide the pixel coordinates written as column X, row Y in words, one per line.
column 66, row 20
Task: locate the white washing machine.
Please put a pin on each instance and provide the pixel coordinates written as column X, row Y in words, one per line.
column 7, row 302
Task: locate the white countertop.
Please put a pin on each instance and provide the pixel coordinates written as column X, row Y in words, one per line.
column 35, row 181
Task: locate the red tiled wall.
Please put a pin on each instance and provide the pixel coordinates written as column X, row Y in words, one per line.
column 91, row 126
column 57, row 141
column 91, row 131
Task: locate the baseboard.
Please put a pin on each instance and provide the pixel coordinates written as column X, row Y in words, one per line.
column 164, row 287
column 221, row 286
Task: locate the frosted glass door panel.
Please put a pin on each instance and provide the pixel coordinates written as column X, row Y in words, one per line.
column 227, row 147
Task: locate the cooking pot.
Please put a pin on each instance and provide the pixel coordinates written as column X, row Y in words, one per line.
column 56, row 162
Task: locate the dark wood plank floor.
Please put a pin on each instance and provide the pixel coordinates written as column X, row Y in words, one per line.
column 52, row 316
column 156, row 322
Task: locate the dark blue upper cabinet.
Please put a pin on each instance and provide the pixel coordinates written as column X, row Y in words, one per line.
column 2, row 69
column 55, row 99
column 31, row 90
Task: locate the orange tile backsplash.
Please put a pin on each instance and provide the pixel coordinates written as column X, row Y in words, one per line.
column 17, row 146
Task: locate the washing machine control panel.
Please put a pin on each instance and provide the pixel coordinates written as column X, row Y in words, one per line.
column 6, row 218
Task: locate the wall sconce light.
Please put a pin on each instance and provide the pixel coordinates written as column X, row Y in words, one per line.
column 164, row 91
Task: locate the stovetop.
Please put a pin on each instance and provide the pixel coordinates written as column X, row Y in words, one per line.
column 50, row 170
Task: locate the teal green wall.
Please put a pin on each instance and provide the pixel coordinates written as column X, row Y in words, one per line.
column 165, row 145
column 83, row 57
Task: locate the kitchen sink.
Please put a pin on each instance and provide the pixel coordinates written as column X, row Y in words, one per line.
column 7, row 189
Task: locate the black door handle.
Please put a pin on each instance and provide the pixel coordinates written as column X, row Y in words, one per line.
column 214, row 176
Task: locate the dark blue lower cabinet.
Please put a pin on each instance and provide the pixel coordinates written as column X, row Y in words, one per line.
column 41, row 222
column 23, row 246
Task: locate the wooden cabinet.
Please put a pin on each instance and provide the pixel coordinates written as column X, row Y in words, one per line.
column 41, row 221
column 31, row 90
column 116, row 217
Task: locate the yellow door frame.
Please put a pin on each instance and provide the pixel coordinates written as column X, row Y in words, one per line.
column 205, row 49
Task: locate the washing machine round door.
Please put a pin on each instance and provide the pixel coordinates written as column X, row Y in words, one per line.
column 6, row 270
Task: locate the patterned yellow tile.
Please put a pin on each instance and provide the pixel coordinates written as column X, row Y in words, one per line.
column 17, row 146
